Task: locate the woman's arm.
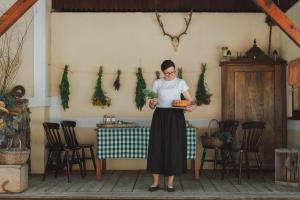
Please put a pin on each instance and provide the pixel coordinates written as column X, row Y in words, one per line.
column 188, row 96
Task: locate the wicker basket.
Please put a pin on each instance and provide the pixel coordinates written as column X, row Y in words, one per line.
column 208, row 140
column 14, row 156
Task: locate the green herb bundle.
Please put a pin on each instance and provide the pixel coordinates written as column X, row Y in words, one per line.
column 180, row 72
column 140, row 99
column 99, row 98
column 202, row 95
column 64, row 88
column 149, row 94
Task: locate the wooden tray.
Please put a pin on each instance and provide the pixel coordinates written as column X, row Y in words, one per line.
column 129, row 125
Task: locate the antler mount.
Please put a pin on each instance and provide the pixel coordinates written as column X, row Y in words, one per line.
column 175, row 38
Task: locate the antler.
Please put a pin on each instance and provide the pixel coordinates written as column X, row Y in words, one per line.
column 175, row 38
column 162, row 26
column 187, row 22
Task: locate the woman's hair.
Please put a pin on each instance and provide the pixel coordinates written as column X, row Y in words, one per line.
column 166, row 64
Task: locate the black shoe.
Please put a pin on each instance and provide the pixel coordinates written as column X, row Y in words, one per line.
column 170, row 189
column 152, row 188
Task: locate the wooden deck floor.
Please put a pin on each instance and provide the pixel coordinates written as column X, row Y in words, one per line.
column 134, row 184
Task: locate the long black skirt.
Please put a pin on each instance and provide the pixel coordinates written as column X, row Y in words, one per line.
column 167, row 150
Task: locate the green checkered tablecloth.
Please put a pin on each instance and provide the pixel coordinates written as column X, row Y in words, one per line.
column 133, row 142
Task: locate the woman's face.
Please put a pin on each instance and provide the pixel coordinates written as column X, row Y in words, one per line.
column 169, row 73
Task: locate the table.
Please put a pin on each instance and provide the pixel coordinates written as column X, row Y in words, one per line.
column 133, row 143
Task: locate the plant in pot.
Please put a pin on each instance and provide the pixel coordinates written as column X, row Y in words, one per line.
column 14, row 112
column 213, row 137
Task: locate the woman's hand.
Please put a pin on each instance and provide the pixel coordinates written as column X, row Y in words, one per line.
column 152, row 103
column 190, row 108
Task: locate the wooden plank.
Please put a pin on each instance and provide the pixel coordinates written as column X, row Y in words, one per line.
column 189, row 184
column 280, row 19
column 111, row 182
column 206, row 183
column 144, row 181
column 126, row 181
column 245, row 186
column 222, row 185
column 77, row 185
column 14, row 13
column 49, row 183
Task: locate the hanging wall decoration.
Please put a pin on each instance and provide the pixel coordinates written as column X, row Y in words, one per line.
column 157, row 75
column 180, row 76
column 117, row 83
column 64, row 88
column 175, row 38
column 202, row 94
column 140, row 99
column 99, row 98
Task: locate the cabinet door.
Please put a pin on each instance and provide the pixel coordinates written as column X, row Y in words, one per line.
column 254, row 101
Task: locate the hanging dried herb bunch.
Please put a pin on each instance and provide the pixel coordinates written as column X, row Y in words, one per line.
column 117, row 83
column 179, row 72
column 64, row 88
column 99, row 98
column 180, row 76
column 140, row 99
column 157, row 75
column 202, row 94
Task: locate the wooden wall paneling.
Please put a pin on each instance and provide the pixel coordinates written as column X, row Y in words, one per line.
column 268, row 110
column 280, row 102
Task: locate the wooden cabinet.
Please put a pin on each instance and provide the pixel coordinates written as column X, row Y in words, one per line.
column 255, row 89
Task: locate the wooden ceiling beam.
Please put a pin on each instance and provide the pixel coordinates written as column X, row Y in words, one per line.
column 280, row 19
column 14, row 13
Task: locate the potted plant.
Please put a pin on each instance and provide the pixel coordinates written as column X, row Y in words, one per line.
column 14, row 114
column 213, row 137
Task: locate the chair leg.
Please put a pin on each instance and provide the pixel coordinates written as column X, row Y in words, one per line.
column 93, row 157
column 216, row 160
column 247, row 164
column 223, row 163
column 58, row 163
column 258, row 162
column 66, row 161
column 202, row 160
column 240, row 166
column 47, row 165
column 79, row 163
column 72, row 160
column 83, row 160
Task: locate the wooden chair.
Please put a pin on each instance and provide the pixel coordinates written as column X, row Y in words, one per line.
column 251, row 143
column 58, row 153
column 72, row 142
column 226, row 125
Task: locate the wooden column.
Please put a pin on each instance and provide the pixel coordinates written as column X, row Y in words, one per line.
column 14, row 13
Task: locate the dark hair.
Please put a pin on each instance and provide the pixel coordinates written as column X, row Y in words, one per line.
column 166, row 64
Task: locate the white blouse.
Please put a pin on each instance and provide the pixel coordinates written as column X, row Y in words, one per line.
column 167, row 91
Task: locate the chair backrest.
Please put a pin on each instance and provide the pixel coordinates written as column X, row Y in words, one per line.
column 229, row 125
column 69, row 133
column 252, row 135
column 53, row 136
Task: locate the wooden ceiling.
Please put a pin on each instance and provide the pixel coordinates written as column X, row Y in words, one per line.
column 162, row 5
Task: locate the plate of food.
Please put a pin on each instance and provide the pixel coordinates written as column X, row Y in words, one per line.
column 181, row 104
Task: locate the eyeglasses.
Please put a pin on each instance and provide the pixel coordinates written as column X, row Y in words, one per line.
column 169, row 73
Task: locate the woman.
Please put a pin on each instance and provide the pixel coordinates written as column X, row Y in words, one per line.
column 167, row 142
